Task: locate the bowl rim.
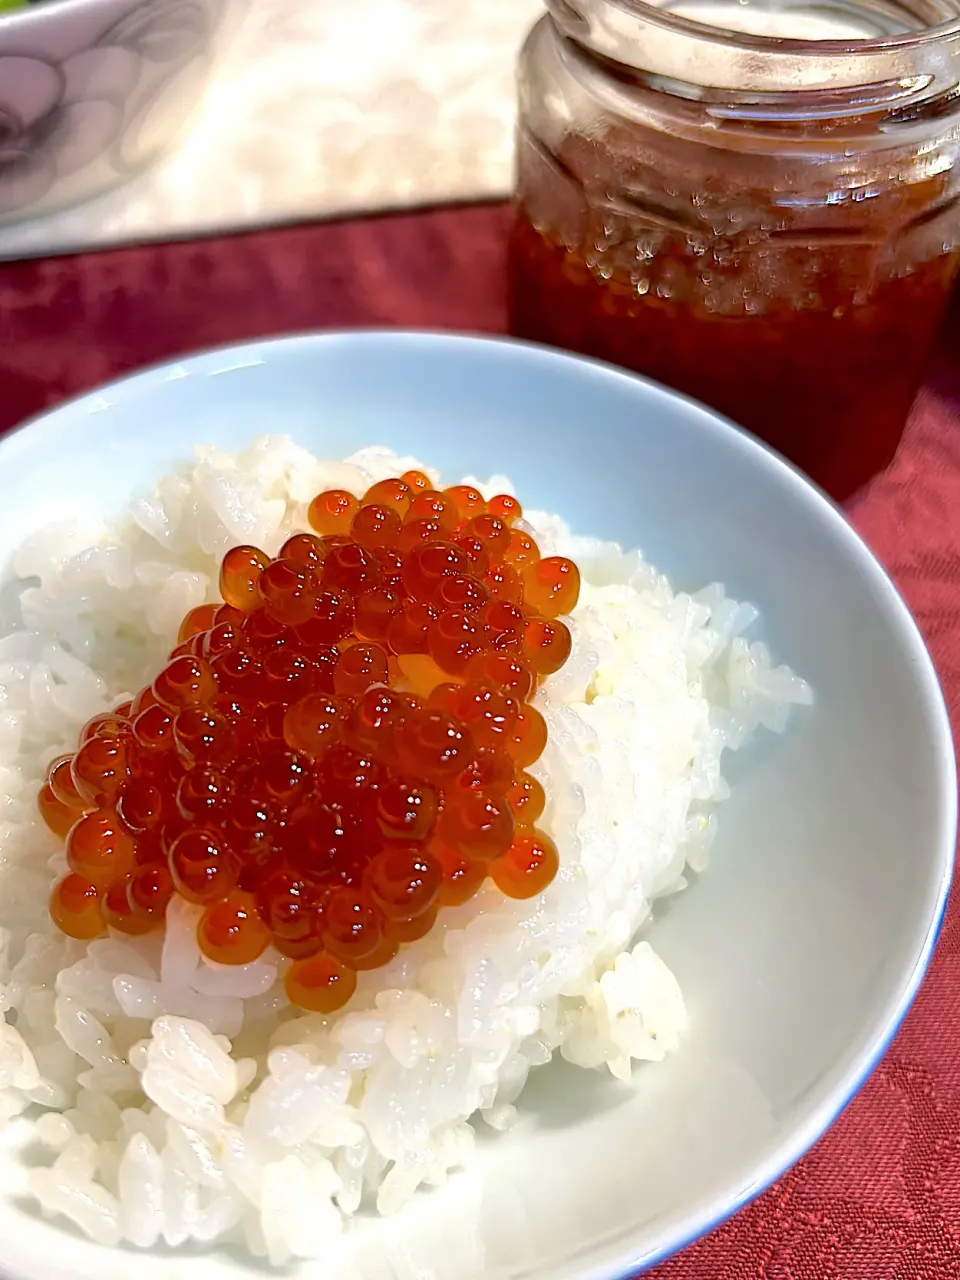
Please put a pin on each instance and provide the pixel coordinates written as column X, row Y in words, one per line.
column 8, row 17
column 616, row 1261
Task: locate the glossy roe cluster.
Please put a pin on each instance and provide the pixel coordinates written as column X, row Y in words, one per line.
column 335, row 752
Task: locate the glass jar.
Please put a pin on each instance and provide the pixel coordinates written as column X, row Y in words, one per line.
column 767, row 222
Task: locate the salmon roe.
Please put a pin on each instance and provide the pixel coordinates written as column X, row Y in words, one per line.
column 337, row 752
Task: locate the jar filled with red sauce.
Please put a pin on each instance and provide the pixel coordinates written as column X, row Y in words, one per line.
column 755, row 203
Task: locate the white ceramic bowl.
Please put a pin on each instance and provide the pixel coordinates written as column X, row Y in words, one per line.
column 801, row 948
column 91, row 91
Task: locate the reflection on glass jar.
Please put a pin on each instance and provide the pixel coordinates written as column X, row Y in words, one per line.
column 771, row 225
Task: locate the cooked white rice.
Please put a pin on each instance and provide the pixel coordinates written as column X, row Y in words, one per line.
column 183, row 1101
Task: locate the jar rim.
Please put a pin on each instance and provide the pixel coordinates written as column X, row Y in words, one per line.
column 789, row 45
column 918, row 64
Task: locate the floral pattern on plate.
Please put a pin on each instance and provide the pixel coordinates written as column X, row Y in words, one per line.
column 76, row 123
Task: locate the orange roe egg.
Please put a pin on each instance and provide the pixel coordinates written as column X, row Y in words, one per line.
column 372, row 722
column 416, row 481
column 430, row 505
column 503, row 583
column 141, row 702
column 458, row 591
column 239, row 574
column 467, row 500
column 288, row 591
column 374, row 611
column 409, row 629
column 490, row 531
column 453, row 639
column 153, row 729
column 189, row 648
column 140, row 805
column 417, row 533
column 99, row 848
column 197, row 621
column 227, row 613
column 352, row 774
column 396, row 494
column 479, row 824
column 237, row 672
column 149, row 890
column 491, row 770
column 505, row 507
column 521, row 550
column 185, row 682
column 325, row 844
column 546, row 645
column 325, row 658
column 100, row 769
column 445, row 694
column 425, row 566
column 75, row 908
column 397, row 931
column 331, row 541
column 528, row 866
column 503, row 624
column 305, row 549
column 527, row 799
column 119, row 914
column 478, row 558
column 59, row 817
column 332, row 512
column 529, row 737
column 313, row 724
column 248, row 720
column 375, row 717
column 60, row 778
column 350, row 568
column 231, row 931
column 434, row 745
column 288, row 906
column 289, row 675
column 551, row 586
column 320, row 983
column 201, row 866
column 462, row 878
column 203, row 795
column 384, row 953
column 219, row 639
column 405, row 810
column 174, row 825
column 404, row 881
column 330, row 622
column 502, row 670
column 263, row 633
column 352, row 927
column 299, row 948
column 490, row 714
column 105, row 725
column 284, row 777
column 359, row 667
column 203, row 735
column 253, row 825
column 391, row 568
column 375, row 525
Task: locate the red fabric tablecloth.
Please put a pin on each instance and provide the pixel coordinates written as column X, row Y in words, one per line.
column 879, row 1197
